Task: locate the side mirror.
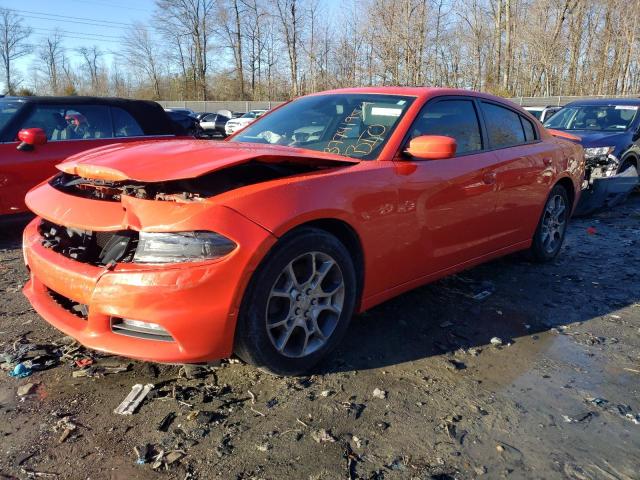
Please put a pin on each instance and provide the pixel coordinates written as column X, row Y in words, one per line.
column 30, row 137
column 432, row 147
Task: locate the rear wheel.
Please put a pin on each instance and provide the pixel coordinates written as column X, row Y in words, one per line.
column 552, row 227
column 298, row 304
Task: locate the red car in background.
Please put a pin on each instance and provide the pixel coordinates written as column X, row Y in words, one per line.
column 36, row 133
column 267, row 243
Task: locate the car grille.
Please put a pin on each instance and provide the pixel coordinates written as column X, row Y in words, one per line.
column 96, row 248
column 80, row 310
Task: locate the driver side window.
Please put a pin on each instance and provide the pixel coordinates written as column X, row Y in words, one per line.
column 451, row 118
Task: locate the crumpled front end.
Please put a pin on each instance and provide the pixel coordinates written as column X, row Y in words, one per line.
column 605, row 189
column 85, row 280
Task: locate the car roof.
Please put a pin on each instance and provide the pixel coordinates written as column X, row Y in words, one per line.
column 421, row 92
column 606, row 101
column 149, row 115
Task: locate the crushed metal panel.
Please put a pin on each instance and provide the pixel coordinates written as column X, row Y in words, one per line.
column 607, row 191
column 134, row 399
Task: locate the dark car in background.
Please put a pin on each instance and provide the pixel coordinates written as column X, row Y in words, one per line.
column 609, row 131
column 36, row 133
column 185, row 121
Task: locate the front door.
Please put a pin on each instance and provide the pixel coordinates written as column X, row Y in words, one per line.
column 448, row 206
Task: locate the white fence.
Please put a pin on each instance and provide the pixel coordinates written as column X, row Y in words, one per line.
column 561, row 100
column 214, row 106
column 245, row 106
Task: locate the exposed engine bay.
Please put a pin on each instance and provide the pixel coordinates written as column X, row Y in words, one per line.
column 186, row 190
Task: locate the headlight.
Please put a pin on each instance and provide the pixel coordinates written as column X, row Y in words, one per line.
column 181, row 247
column 598, row 152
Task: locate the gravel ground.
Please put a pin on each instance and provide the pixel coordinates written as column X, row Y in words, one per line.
column 417, row 390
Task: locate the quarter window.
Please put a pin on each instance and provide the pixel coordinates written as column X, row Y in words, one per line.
column 529, row 131
column 124, row 124
column 503, row 126
column 451, row 118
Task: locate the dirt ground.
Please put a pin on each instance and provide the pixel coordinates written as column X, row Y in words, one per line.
column 560, row 398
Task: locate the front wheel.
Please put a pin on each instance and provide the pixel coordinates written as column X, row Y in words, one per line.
column 298, row 304
column 552, row 227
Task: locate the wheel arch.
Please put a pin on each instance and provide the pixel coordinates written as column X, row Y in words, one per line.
column 349, row 237
column 633, row 157
column 568, row 185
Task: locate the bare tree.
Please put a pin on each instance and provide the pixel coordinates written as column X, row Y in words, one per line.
column 141, row 53
column 51, row 57
column 290, row 20
column 191, row 20
column 13, row 43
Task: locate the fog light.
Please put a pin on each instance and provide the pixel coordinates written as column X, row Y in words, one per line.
column 140, row 329
column 143, row 325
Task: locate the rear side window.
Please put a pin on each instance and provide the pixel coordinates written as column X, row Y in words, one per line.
column 452, row 118
column 124, row 124
column 80, row 122
column 529, row 130
column 503, row 126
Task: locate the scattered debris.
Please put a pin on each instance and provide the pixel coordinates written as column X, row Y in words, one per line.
column 133, row 400
column 455, row 365
column 143, row 453
column 323, row 436
column 166, row 422
column 21, row 371
column 66, row 426
column 27, row 389
column 581, row 417
column 496, row 341
column 378, row 393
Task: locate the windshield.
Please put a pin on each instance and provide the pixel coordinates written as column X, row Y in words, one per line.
column 8, row 108
column 605, row 118
column 353, row 125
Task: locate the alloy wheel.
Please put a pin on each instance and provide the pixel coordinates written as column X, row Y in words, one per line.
column 554, row 223
column 305, row 304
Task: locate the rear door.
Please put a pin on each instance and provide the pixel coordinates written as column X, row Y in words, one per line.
column 448, row 205
column 523, row 172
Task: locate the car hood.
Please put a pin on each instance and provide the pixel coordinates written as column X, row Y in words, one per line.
column 589, row 138
column 166, row 160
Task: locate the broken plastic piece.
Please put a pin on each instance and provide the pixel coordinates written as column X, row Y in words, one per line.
column 20, row 371
column 133, row 400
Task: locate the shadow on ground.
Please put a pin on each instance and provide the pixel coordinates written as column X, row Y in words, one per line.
column 595, row 274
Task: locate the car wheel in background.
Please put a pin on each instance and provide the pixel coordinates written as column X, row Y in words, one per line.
column 298, row 304
column 552, row 226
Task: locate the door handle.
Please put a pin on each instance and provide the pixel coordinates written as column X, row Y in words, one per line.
column 489, row 178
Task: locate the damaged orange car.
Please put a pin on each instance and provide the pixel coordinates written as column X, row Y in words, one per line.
column 267, row 243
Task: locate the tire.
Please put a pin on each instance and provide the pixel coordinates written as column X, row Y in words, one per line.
column 288, row 320
column 552, row 226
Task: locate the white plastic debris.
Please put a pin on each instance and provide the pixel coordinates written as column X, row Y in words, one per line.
column 378, row 393
column 134, row 399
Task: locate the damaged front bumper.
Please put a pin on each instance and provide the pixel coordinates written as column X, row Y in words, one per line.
column 173, row 313
column 605, row 189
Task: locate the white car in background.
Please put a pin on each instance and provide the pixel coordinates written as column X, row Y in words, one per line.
column 236, row 124
column 542, row 113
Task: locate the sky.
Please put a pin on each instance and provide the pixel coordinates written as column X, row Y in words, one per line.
column 84, row 23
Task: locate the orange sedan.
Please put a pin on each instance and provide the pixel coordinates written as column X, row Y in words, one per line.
column 266, row 244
